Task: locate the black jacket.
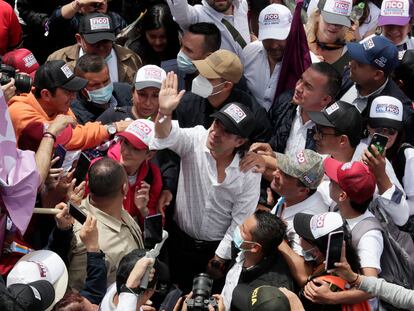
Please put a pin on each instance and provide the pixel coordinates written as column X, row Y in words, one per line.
column 194, row 110
column 272, row 271
column 281, row 116
column 88, row 112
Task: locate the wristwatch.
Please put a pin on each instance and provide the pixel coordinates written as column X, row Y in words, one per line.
column 126, row 289
column 111, row 128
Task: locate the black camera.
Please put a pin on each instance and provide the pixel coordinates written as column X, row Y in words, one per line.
column 201, row 297
column 23, row 83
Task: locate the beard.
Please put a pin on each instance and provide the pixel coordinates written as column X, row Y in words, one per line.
column 220, row 6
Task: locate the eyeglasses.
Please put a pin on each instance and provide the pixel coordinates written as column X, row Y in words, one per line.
column 385, row 131
column 318, row 132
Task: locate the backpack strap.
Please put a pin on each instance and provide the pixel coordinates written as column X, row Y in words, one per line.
column 234, row 33
column 365, row 225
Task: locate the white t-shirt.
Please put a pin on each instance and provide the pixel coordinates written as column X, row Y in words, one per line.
column 370, row 245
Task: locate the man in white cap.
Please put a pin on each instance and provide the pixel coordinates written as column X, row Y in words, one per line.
column 263, row 58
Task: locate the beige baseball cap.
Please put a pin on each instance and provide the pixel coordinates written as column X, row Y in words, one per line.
column 220, row 64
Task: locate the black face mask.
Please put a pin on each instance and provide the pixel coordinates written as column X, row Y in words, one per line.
column 330, row 46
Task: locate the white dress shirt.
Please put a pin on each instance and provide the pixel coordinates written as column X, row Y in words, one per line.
column 317, row 203
column 393, row 201
column 206, row 209
column 260, row 81
column 232, row 279
column 185, row 15
column 297, row 136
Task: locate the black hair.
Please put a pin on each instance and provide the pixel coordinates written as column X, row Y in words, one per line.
column 360, row 207
column 126, row 265
column 89, row 63
column 405, row 73
column 333, row 76
column 157, row 16
column 269, row 232
column 353, row 141
column 37, row 91
column 106, row 178
column 299, row 183
column 212, row 35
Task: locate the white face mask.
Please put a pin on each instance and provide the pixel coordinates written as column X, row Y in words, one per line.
column 202, row 87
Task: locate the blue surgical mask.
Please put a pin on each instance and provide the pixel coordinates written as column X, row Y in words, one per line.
column 307, row 254
column 101, row 96
column 238, row 240
column 185, row 64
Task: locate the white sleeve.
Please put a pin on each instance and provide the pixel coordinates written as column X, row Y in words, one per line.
column 394, row 203
column 370, row 249
column 183, row 13
column 127, row 302
column 180, row 140
column 242, row 208
column 408, row 178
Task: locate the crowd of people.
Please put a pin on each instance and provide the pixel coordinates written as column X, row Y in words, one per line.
column 179, row 155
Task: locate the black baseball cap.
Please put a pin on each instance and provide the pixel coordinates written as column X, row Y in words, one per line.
column 262, row 298
column 237, row 119
column 96, row 27
column 34, row 296
column 56, row 73
column 342, row 116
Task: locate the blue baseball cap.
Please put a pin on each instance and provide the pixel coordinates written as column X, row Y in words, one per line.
column 376, row 51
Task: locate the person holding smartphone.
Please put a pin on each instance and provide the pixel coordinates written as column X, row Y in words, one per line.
column 386, row 118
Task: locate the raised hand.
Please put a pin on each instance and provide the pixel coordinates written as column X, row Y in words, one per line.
column 169, row 97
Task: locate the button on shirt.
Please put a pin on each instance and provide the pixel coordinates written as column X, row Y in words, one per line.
column 116, row 239
column 185, row 15
column 297, row 137
column 205, row 209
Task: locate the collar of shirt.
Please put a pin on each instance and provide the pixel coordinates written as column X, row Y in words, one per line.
column 379, row 90
column 292, row 210
column 103, row 217
column 299, row 115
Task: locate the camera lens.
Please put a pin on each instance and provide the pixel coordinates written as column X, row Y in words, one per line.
column 202, row 286
column 23, row 83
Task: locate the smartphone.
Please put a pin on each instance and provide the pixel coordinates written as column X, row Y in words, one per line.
column 334, row 249
column 60, row 151
column 82, row 168
column 77, row 213
column 379, row 141
column 152, row 230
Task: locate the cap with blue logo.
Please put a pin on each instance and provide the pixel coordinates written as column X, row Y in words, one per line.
column 386, row 111
column 376, row 51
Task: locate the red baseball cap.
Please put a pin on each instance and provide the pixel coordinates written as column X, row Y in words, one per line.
column 354, row 178
column 23, row 60
column 32, row 135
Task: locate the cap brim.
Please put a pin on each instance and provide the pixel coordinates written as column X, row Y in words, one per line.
column 241, row 297
column 318, row 117
column 331, row 167
column 274, row 33
column 205, row 70
column 144, row 84
column 393, row 20
column 336, row 19
column 228, row 124
column 75, row 84
column 45, row 287
column 133, row 140
column 93, row 38
column 301, row 224
column 60, row 285
column 382, row 122
column 283, row 163
column 356, row 52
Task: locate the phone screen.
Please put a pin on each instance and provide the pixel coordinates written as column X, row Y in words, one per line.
column 77, row 213
column 60, row 151
column 82, row 168
column 152, row 230
column 333, row 252
column 379, row 141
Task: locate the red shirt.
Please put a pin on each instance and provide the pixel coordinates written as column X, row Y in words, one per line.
column 10, row 29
